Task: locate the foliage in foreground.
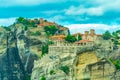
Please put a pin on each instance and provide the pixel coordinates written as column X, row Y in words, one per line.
column 116, row 63
column 43, row 78
column 51, row 72
column 44, row 49
column 65, row 69
column 116, row 37
column 70, row 38
column 50, row 30
column 107, row 35
column 37, row 33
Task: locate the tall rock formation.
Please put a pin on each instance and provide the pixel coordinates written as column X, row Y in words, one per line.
column 11, row 66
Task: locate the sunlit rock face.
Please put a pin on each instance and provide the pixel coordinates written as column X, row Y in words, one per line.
column 102, row 70
column 84, row 64
column 83, row 60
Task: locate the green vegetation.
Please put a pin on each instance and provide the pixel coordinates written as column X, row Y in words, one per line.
column 52, row 72
column 70, row 39
column 65, row 69
column 116, row 63
column 45, row 20
column 44, row 49
column 36, row 21
column 107, row 35
column 50, row 30
column 86, row 79
column 28, row 77
column 43, row 78
column 79, row 37
column 50, row 42
column 37, row 33
column 116, row 37
column 25, row 28
column 27, row 22
column 7, row 28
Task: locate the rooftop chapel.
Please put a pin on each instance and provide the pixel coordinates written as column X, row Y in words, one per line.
column 89, row 35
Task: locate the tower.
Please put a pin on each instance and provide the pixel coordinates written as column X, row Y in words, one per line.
column 92, row 32
column 41, row 21
column 86, row 33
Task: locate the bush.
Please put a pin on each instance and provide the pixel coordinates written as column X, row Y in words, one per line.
column 50, row 30
column 79, row 37
column 27, row 22
column 28, row 77
column 65, row 69
column 37, row 33
column 43, row 78
column 107, row 35
column 51, row 72
column 70, row 39
column 44, row 49
column 116, row 37
column 25, row 28
column 116, row 63
column 20, row 20
column 7, row 28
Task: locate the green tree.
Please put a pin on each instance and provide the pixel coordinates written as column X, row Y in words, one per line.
column 70, row 39
column 44, row 49
column 79, row 37
column 50, row 30
column 25, row 28
column 27, row 22
column 45, row 20
column 36, row 21
column 43, row 78
column 107, row 35
column 7, row 28
column 20, row 19
column 116, row 37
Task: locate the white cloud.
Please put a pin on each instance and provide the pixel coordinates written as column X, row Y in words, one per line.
column 7, row 21
column 26, row 2
column 82, row 10
column 97, row 8
column 99, row 28
column 58, row 19
column 109, row 4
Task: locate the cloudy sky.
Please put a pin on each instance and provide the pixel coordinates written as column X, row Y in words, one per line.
column 78, row 15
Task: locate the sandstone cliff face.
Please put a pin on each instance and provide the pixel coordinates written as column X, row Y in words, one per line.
column 78, row 63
